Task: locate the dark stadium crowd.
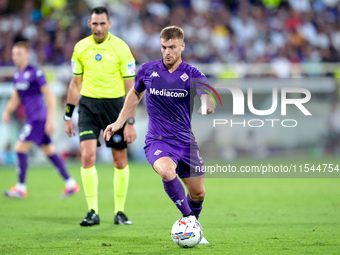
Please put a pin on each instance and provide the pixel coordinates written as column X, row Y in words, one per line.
column 245, row 31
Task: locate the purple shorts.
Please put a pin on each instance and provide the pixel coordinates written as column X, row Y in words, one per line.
column 187, row 158
column 34, row 131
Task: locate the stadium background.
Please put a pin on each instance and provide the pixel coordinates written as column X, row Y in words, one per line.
column 246, row 43
column 252, row 43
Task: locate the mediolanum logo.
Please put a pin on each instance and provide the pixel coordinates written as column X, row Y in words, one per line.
column 169, row 92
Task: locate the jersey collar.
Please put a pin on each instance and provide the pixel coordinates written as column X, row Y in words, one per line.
column 25, row 69
column 107, row 38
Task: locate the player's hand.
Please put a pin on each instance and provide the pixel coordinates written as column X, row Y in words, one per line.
column 110, row 130
column 6, row 117
column 49, row 127
column 209, row 110
column 129, row 133
column 69, row 128
column 209, row 103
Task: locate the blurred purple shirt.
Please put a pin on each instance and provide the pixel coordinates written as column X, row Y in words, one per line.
column 28, row 84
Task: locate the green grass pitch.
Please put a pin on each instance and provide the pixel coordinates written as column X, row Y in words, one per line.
column 240, row 216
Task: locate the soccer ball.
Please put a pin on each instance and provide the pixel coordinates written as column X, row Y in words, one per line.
column 187, row 232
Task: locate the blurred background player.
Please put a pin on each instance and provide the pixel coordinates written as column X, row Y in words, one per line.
column 29, row 88
column 170, row 85
column 103, row 72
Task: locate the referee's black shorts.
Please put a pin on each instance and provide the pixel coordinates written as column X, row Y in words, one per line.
column 95, row 114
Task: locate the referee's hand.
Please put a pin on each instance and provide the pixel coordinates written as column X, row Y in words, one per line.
column 69, row 129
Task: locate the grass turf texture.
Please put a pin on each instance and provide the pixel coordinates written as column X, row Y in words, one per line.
column 240, row 216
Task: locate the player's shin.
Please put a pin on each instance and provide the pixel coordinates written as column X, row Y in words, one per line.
column 90, row 185
column 176, row 192
column 22, row 167
column 60, row 166
column 196, row 206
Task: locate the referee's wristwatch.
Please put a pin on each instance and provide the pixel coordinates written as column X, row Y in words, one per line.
column 67, row 118
column 130, row 121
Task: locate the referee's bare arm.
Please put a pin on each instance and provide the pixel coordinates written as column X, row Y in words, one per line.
column 73, row 98
column 74, row 90
column 132, row 100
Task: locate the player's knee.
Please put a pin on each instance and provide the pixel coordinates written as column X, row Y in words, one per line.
column 165, row 168
column 198, row 195
column 48, row 150
column 22, row 147
column 168, row 175
column 167, row 172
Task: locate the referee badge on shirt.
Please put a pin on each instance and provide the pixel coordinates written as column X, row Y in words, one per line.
column 131, row 68
column 98, row 57
column 117, row 138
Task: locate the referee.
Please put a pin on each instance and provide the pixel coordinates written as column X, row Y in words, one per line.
column 103, row 72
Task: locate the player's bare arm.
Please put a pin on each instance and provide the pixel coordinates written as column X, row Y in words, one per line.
column 50, row 103
column 132, row 100
column 129, row 131
column 72, row 99
column 210, row 105
column 12, row 104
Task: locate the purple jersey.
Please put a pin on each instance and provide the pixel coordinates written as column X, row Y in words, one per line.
column 169, row 98
column 28, row 84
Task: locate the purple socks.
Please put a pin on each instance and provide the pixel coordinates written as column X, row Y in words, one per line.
column 196, row 206
column 59, row 164
column 23, row 163
column 176, row 192
column 22, row 167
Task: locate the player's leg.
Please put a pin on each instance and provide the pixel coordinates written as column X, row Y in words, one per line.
column 196, row 193
column 166, row 168
column 195, row 197
column 20, row 190
column 71, row 187
column 120, row 185
column 194, row 181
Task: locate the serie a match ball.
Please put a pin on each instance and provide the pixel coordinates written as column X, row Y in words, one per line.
column 187, row 232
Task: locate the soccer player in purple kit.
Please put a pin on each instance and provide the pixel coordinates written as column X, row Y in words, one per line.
column 170, row 85
column 30, row 87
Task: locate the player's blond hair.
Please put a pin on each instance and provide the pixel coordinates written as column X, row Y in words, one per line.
column 21, row 44
column 172, row 32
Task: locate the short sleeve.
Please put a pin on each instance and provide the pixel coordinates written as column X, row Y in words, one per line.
column 76, row 64
column 128, row 64
column 40, row 77
column 139, row 83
